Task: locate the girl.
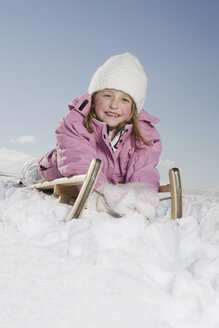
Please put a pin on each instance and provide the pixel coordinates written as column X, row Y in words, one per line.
column 109, row 123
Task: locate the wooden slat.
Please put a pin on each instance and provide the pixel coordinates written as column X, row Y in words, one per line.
column 65, row 192
column 75, row 180
column 165, row 188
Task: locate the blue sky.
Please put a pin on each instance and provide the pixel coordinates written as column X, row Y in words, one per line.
column 50, row 50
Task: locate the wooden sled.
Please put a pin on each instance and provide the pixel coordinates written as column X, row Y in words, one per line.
column 66, row 188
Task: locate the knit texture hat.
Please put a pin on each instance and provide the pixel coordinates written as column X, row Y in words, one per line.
column 122, row 72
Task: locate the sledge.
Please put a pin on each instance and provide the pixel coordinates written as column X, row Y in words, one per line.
column 67, row 188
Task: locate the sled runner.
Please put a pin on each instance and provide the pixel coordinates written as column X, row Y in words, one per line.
column 175, row 189
column 66, row 188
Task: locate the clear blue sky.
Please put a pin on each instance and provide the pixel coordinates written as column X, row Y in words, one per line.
column 50, row 50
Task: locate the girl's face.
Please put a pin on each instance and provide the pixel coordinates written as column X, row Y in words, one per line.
column 113, row 107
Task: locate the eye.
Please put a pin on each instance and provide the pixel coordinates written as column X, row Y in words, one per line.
column 107, row 95
column 126, row 100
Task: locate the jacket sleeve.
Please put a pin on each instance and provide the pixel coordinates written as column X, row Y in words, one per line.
column 142, row 163
column 75, row 149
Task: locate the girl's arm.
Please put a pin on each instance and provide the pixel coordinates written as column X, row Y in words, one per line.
column 75, row 148
column 143, row 162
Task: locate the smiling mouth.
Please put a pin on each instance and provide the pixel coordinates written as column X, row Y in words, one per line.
column 111, row 114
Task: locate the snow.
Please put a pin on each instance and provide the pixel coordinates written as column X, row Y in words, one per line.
column 101, row 271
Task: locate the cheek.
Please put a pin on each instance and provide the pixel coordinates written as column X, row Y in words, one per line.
column 100, row 105
column 127, row 112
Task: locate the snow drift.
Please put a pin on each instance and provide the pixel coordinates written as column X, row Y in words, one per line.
column 101, row 271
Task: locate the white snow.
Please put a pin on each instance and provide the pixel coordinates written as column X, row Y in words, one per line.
column 103, row 272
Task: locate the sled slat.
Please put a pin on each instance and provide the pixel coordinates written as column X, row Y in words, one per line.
column 165, row 188
column 75, row 180
column 65, row 192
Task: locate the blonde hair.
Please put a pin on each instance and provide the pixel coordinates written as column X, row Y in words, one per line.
column 136, row 134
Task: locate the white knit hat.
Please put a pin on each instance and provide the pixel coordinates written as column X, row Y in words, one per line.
column 122, row 72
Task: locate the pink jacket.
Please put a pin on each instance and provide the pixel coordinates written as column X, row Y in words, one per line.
column 76, row 148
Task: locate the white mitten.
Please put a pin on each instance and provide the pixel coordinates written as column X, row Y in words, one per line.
column 125, row 199
column 120, row 200
column 97, row 202
column 112, row 199
column 29, row 173
column 146, row 199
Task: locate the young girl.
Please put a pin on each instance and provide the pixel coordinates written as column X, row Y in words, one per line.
column 109, row 123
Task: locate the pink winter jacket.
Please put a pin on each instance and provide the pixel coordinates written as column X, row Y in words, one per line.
column 76, row 148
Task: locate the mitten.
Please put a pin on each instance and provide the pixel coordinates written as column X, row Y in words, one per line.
column 146, row 199
column 123, row 200
column 29, row 173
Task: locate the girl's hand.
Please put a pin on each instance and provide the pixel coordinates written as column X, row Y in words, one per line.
column 121, row 200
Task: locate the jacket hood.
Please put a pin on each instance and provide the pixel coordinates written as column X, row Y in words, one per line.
column 145, row 116
column 81, row 104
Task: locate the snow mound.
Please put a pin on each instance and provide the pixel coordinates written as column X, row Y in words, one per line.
column 101, row 271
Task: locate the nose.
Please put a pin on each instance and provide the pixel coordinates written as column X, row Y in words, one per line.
column 114, row 103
